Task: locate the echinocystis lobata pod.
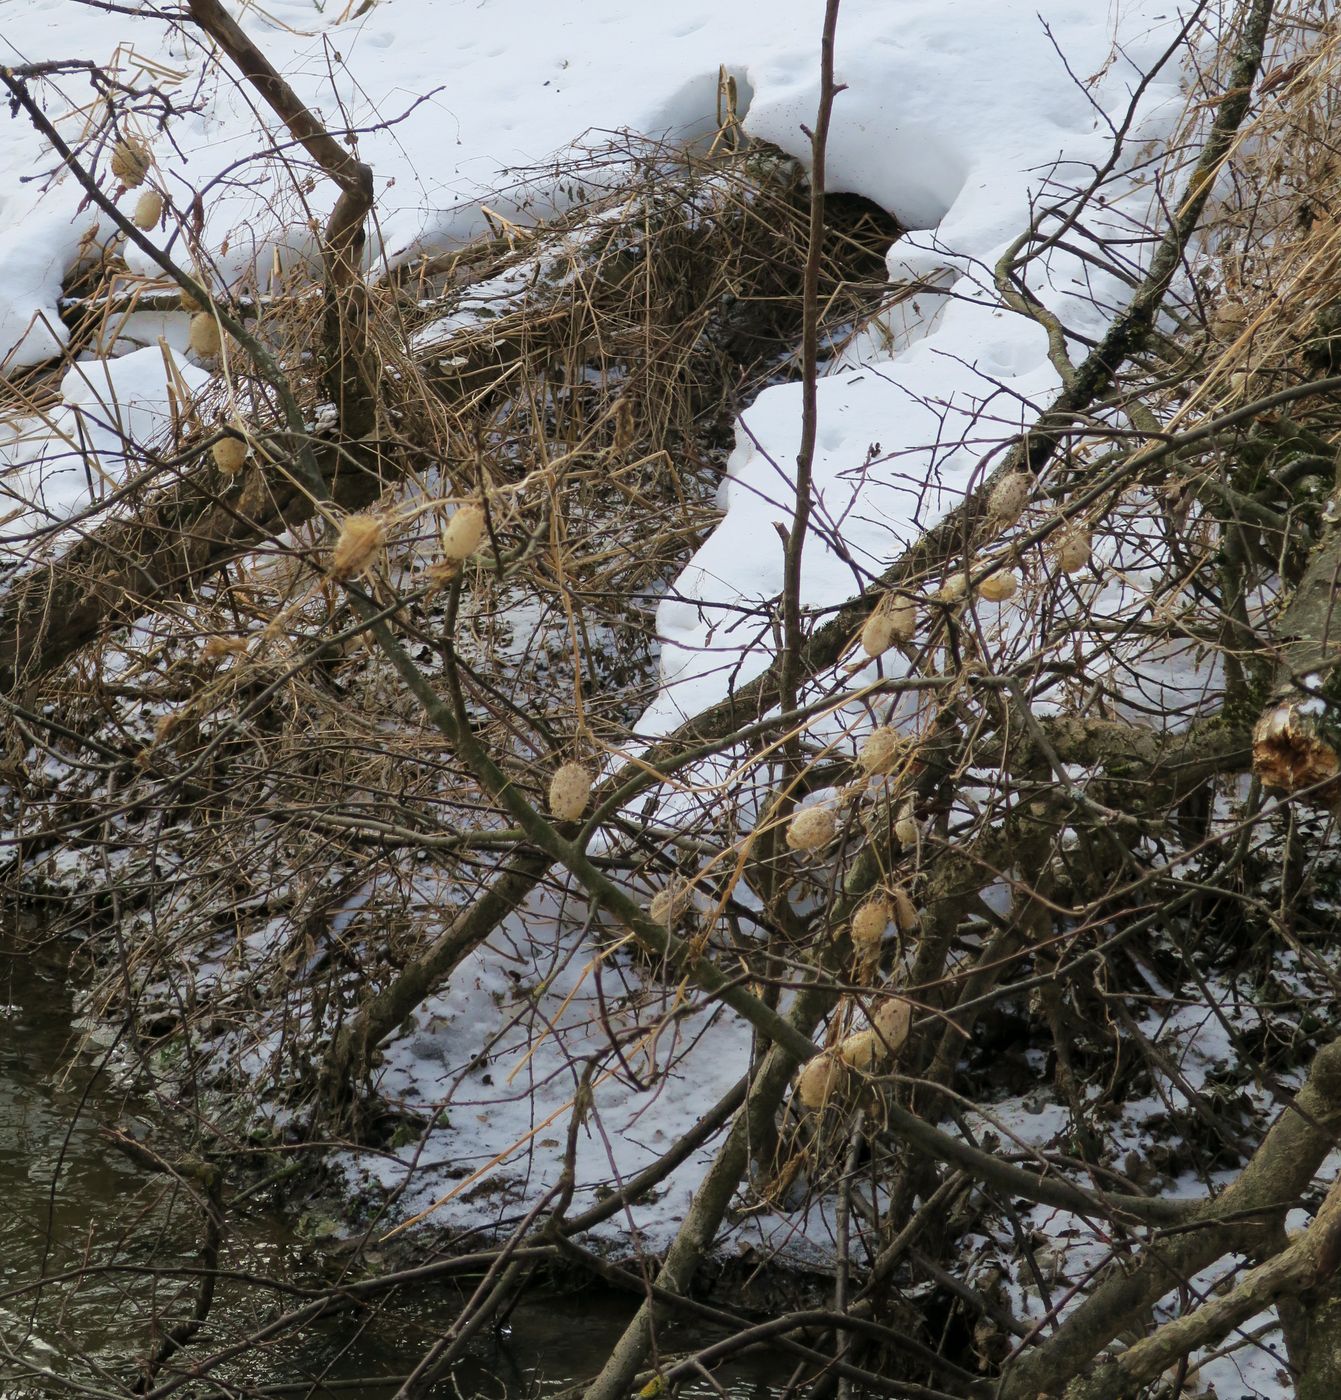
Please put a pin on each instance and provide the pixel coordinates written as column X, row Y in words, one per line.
column 464, row 532
column 1008, row 498
column 148, row 210
column 811, row 829
column 361, row 538
column 819, row 1080
column 131, row 161
column 569, row 792
column 1072, row 551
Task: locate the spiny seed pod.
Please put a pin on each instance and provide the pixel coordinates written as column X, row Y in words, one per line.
column 569, row 792
column 1072, row 551
column 906, row 917
column 463, row 534
column 131, row 161
column 997, row 587
column 869, row 924
column 148, row 210
column 205, row 338
column 360, row 539
column 863, row 1050
column 669, row 905
column 1009, row 497
column 229, row 454
column 877, row 636
column 894, row 620
column 881, row 751
column 217, row 648
column 905, row 826
column 190, row 302
column 811, row 828
column 892, row 1020
column 953, row 589
column 902, row 615
column 820, row 1080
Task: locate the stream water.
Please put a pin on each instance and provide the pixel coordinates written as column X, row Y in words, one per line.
column 93, row 1248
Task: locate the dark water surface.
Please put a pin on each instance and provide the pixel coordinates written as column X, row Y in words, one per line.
column 91, row 1245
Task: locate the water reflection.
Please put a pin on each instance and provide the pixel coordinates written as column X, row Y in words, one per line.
column 92, row 1249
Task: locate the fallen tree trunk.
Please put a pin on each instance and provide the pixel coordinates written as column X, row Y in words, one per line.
column 162, row 552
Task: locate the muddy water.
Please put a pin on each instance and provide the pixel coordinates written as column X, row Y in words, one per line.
column 91, row 1245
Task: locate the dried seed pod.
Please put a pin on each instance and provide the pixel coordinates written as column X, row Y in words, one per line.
column 905, row 826
column 820, row 1079
column 811, row 828
column 229, row 454
column 669, row 905
column 190, row 302
column 205, row 338
column 569, row 792
column 464, row 532
column 892, row 1020
column 862, row 1050
column 869, row 924
column 953, row 590
column 997, row 587
column 877, row 636
column 881, row 751
column 906, row 917
column 148, row 210
column 1072, row 551
column 1009, row 497
column 894, row 620
column 131, row 161
column 902, row 615
column 361, row 538
column 217, row 648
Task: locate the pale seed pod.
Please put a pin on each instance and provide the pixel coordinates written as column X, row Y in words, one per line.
column 189, row 301
column 204, row 339
column 148, row 210
column 863, row 1050
column 217, row 648
column 811, row 828
column 906, row 917
column 902, row 615
column 463, row 534
column 229, row 455
column 1072, row 551
column 361, row 538
column 881, row 751
column 669, row 905
column 569, row 792
column 869, row 924
column 953, row 589
column 997, row 587
column 877, row 635
column 820, row 1080
column 905, row 826
column 131, row 161
column 1009, row 497
column 893, row 1020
